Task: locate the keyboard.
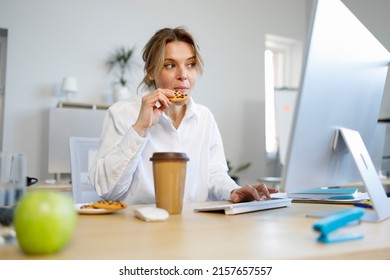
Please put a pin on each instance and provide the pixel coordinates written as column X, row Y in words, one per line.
column 246, row 207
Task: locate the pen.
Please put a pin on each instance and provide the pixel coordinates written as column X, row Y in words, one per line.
column 363, row 205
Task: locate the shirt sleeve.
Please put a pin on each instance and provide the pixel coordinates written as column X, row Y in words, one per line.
column 221, row 184
column 118, row 155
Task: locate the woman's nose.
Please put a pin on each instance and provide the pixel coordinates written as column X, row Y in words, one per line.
column 182, row 74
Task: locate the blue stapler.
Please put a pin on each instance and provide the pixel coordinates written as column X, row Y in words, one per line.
column 335, row 221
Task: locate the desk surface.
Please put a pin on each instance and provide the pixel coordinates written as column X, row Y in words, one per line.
column 284, row 233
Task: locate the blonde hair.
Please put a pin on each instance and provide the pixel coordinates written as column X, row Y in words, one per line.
column 154, row 50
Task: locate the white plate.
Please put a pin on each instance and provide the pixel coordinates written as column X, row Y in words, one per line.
column 93, row 211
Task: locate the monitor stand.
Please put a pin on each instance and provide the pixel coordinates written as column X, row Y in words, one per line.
column 354, row 142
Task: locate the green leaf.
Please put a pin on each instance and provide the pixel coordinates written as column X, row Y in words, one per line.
column 243, row 167
column 120, row 60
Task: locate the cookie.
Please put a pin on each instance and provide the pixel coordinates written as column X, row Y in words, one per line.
column 179, row 97
column 109, row 204
column 87, row 206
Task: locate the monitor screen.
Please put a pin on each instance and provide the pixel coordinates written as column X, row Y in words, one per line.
column 342, row 84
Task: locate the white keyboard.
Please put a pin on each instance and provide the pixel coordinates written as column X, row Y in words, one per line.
column 245, row 207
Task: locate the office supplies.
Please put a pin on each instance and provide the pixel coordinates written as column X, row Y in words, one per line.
column 363, row 205
column 325, row 193
column 245, row 207
column 335, row 221
column 359, row 197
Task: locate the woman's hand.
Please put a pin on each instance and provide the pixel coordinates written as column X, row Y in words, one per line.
column 250, row 193
column 153, row 105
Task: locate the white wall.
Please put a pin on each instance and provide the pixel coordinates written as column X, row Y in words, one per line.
column 49, row 39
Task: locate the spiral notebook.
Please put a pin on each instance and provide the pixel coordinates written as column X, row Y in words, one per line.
column 246, row 207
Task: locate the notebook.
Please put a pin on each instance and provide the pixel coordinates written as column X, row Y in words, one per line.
column 329, row 193
column 245, row 207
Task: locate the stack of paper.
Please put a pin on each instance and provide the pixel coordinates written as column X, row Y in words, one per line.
column 329, row 194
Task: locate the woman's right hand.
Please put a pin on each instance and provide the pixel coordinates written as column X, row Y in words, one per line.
column 153, row 105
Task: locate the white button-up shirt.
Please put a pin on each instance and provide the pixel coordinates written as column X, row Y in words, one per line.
column 123, row 170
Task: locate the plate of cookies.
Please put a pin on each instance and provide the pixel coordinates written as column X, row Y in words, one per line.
column 100, row 207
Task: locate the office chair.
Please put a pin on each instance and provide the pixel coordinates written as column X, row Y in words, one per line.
column 82, row 153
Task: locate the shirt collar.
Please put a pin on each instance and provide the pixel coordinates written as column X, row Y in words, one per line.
column 192, row 111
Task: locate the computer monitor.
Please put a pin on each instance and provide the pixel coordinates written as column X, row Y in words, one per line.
column 339, row 100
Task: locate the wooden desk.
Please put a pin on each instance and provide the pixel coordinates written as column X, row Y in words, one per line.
column 275, row 234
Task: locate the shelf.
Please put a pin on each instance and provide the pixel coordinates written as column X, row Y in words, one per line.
column 63, row 104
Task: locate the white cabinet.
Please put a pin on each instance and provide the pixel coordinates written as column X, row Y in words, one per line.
column 71, row 119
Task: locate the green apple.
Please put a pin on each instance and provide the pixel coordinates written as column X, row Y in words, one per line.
column 44, row 221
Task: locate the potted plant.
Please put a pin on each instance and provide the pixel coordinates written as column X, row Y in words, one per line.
column 120, row 62
column 233, row 172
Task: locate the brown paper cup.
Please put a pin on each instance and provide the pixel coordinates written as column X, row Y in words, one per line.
column 169, row 174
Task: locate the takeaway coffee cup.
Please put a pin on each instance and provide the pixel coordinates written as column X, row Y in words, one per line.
column 169, row 174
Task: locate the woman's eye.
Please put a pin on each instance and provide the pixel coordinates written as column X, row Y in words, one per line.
column 169, row 65
column 192, row 64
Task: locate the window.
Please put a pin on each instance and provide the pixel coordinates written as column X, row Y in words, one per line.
column 282, row 71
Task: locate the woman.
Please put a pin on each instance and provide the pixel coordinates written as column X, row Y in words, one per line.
column 134, row 129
